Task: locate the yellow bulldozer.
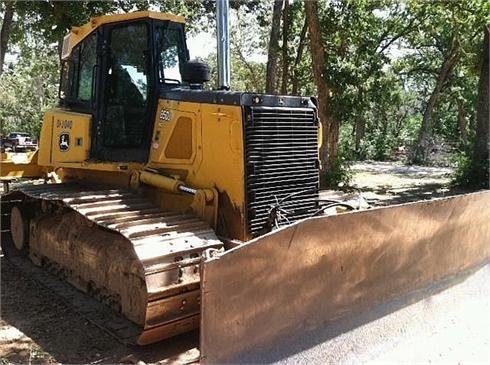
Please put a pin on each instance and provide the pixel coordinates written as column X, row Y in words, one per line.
column 182, row 207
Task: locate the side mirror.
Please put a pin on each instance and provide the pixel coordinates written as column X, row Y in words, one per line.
column 196, row 72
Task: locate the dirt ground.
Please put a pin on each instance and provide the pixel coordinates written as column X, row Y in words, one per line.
column 387, row 183
column 37, row 327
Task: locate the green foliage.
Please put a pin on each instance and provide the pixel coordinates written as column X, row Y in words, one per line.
column 410, row 129
column 470, row 173
column 383, row 59
column 51, row 20
column 339, row 173
column 245, row 76
column 448, row 28
column 28, row 88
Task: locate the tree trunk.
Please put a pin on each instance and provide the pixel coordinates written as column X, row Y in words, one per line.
column 5, row 31
column 271, row 73
column 480, row 163
column 422, row 149
column 462, row 123
column 329, row 149
column 299, row 56
column 360, row 122
column 399, row 124
column 285, row 57
column 360, row 133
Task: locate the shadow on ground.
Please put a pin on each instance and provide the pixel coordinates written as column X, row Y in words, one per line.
column 51, row 331
column 406, row 194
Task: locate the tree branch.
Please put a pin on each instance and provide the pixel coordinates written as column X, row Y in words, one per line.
column 248, row 66
column 402, row 33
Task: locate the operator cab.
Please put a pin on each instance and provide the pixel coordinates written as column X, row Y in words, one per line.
column 115, row 73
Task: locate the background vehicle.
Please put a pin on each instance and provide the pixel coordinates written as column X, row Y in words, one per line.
column 19, row 141
column 158, row 175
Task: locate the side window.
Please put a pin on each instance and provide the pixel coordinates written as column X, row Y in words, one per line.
column 67, row 71
column 171, row 54
column 88, row 59
column 69, row 76
column 77, row 70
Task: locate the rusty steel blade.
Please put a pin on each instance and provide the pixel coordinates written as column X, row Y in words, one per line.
column 298, row 278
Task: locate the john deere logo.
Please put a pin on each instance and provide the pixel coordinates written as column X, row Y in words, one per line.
column 64, row 142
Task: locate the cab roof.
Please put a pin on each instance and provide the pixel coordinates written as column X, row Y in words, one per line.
column 77, row 34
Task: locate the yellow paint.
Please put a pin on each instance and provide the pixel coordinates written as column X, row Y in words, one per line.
column 320, row 135
column 161, row 182
column 93, row 177
column 22, row 164
column 207, row 138
column 217, row 150
column 126, row 168
column 59, row 124
column 222, row 144
column 166, row 131
column 77, row 34
column 76, row 157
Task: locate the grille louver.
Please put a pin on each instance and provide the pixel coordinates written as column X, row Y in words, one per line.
column 281, row 149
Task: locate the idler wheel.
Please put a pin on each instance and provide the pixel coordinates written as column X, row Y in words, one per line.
column 19, row 229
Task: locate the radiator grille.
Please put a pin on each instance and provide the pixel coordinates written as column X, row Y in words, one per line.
column 281, row 149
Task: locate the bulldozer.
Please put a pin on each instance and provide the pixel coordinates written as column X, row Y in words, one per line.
column 165, row 200
column 152, row 171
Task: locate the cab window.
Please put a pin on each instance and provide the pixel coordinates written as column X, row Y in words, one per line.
column 127, row 86
column 77, row 72
column 171, row 53
column 88, row 60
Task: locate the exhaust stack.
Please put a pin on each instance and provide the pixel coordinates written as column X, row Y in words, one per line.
column 223, row 38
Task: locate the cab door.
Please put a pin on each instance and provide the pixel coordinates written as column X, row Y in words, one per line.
column 123, row 123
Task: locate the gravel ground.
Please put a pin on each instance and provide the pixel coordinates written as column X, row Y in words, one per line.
column 37, row 327
column 388, row 183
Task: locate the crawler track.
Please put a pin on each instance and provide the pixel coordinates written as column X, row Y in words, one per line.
column 122, row 249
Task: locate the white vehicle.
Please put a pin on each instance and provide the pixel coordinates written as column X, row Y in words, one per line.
column 20, row 141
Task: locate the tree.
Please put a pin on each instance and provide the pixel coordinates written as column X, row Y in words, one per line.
column 246, row 41
column 5, row 32
column 348, row 41
column 440, row 67
column 422, row 147
column 272, row 57
column 284, row 48
column 298, row 58
column 28, row 88
column 329, row 149
column 479, row 171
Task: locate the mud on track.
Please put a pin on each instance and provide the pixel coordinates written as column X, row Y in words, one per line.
column 38, row 327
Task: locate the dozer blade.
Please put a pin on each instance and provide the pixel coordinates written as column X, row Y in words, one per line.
column 297, row 279
column 120, row 248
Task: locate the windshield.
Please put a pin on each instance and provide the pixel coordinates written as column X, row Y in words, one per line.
column 171, row 52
